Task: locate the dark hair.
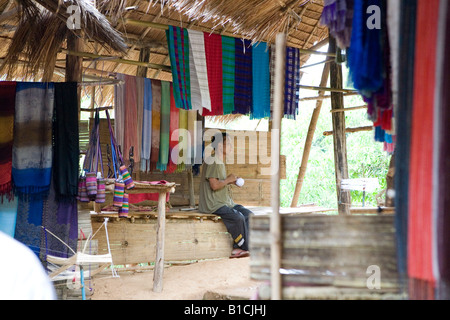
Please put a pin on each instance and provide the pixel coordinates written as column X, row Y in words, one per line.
column 218, row 136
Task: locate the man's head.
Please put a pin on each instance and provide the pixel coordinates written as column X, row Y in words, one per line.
column 221, row 144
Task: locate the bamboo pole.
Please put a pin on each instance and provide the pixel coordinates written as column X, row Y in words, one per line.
column 309, row 138
column 327, row 89
column 275, row 218
column 116, row 59
column 348, row 130
column 349, row 109
column 160, row 230
column 327, row 96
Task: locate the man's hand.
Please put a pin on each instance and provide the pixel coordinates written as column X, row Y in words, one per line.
column 231, row 179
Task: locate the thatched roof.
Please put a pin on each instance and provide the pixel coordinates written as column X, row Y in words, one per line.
column 141, row 24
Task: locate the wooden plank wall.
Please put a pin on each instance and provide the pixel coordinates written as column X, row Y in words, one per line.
column 328, row 250
column 186, row 240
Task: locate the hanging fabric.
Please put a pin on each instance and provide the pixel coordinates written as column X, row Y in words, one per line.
column 119, row 109
column 243, row 76
column 291, row 82
column 156, row 122
column 198, row 58
column 196, row 94
column 66, row 151
column 7, row 103
column 182, row 140
column 146, row 126
column 178, row 45
column 420, row 219
column 260, row 81
column 140, row 92
column 228, row 66
column 174, row 125
column 213, row 54
column 130, row 118
column 337, row 16
column 164, row 127
column 32, row 153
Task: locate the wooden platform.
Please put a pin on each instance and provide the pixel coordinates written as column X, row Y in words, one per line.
column 189, row 236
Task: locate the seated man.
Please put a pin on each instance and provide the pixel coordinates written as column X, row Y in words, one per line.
column 214, row 196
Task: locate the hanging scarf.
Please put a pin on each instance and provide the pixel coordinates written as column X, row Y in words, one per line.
column 365, row 52
column 146, row 126
column 156, row 122
column 164, row 127
column 140, row 91
column 7, row 104
column 182, row 140
column 178, row 45
column 174, row 124
column 291, row 83
column 196, row 94
column 243, row 76
column 130, row 117
column 260, row 81
column 32, row 147
column 228, row 53
column 197, row 45
column 337, row 16
column 66, row 150
column 213, row 53
column 119, row 109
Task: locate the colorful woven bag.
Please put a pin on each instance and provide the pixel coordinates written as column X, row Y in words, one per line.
column 119, row 190
column 123, row 212
column 126, row 177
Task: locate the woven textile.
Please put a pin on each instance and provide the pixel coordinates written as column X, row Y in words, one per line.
column 7, row 106
column 213, row 53
column 174, row 124
column 197, row 46
column 291, row 82
column 164, row 127
column 156, row 122
column 146, row 126
column 66, row 150
column 243, row 76
column 130, row 117
column 119, row 109
column 260, row 81
column 178, row 45
column 32, row 146
column 228, row 53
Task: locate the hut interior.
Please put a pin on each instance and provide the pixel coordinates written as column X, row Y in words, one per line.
column 97, row 44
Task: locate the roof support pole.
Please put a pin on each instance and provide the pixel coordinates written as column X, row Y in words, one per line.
column 74, row 64
column 276, row 244
column 339, row 139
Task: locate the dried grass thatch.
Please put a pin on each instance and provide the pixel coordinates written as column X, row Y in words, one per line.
column 258, row 20
column 41, row 32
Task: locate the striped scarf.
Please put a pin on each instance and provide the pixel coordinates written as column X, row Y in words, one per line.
column 174, row 124
column 7, row 105
column 32, row 146
column 165, row 127
column 213, row 53
column 146, row 126
column 228, row 52
column 243, row 76
column 261, row 82
column 178, row 45
column 156, row 122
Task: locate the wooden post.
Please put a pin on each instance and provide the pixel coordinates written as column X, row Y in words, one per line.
column 309, row 137
column 74, row 64
column 339, row 140
column 159, row 260
column 275, row 218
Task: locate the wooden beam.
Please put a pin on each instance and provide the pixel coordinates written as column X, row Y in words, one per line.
column 309, row 138
column 275, row 218
column 160, row 230
column 74, row 64
column 348, row 130
column 116, row 59
column 332, row 89
column 339, row 139
column 327, row 96
column 349, row 109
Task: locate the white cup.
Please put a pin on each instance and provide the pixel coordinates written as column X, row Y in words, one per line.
column 240, row 182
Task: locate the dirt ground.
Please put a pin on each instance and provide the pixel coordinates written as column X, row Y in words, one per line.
column 229, row 277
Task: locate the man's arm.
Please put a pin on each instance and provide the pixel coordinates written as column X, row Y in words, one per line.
column 217, row 184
